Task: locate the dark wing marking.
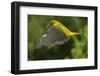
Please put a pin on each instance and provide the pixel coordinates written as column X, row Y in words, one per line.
column 52, row 37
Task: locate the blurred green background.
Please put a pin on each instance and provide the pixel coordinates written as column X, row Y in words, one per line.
column 75, row 48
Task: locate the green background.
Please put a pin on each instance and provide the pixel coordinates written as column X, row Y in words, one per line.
column 75, row 48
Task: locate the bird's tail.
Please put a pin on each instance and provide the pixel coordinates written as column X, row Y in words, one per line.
column 74, row 33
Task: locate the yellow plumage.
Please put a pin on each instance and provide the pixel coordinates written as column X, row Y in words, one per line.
column 66, row 31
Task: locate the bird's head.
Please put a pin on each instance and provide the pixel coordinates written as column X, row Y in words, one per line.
column 53, row 23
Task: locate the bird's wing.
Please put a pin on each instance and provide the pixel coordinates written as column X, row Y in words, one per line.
column 52, row 37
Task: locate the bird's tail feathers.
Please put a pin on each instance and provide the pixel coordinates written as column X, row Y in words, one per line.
column 74, row 33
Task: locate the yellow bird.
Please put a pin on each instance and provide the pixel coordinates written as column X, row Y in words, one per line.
column 56, row 34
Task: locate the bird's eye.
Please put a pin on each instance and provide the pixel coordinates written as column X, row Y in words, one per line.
column 52, row 23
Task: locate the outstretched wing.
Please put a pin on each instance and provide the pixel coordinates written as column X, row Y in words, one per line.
column 52, row 37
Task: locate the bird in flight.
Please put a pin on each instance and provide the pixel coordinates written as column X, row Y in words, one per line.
column 56, row 34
